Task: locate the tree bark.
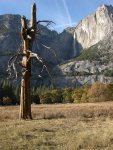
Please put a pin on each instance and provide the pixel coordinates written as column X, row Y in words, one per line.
column 28, row 36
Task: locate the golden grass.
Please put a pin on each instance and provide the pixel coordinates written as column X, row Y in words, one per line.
column 58, row 127
column 84, row 110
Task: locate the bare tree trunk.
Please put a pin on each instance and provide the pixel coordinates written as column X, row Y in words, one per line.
column 28, row 36
column 25, row 102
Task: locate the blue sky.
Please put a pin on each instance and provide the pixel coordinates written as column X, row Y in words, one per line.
column 63, row 12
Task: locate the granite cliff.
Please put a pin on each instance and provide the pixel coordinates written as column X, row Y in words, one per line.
column 78, row 55
column 93, row 51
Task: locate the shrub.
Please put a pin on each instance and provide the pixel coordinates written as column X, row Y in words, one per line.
column 84, row 97
column 7, row 101
column 108, row 73
column 99, row 92
column 51, row 96
column 67, row 96
column 80, row 94
column 57, row 96
column 46, row 98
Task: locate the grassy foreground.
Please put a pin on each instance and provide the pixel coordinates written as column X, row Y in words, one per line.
column 58, row 127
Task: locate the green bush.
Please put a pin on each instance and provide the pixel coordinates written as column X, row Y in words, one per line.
column 57, row 96
column 84, row 98
column 52, row 96
column 80, row 94
column 67, row 96
column 108, row 73
column 46, row 98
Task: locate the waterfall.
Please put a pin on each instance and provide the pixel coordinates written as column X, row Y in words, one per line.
column 74, row 44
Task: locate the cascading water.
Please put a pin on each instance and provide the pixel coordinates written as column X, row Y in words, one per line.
column 74, row 44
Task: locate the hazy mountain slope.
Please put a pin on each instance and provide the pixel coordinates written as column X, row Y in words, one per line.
column 10, row 42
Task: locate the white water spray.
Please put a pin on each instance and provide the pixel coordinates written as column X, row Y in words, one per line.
column 74, row 44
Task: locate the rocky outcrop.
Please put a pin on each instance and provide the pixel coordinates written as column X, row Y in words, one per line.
column 94, row 27
column 75, row 73
column 72, row 81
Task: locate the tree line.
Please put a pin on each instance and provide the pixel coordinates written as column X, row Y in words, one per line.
column 97, row 92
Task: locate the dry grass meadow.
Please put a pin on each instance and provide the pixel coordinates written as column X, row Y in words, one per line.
column 58, row 127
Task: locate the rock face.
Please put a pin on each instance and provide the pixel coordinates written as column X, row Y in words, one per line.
column 75, row 73
column 10, row 40
column 95, row 27
column 60, row 44
column 9, row 33
column 91, row 40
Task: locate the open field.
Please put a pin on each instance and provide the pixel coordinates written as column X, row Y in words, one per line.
column 58, row 127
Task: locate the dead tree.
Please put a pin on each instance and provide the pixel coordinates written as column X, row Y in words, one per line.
column 28, row 34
